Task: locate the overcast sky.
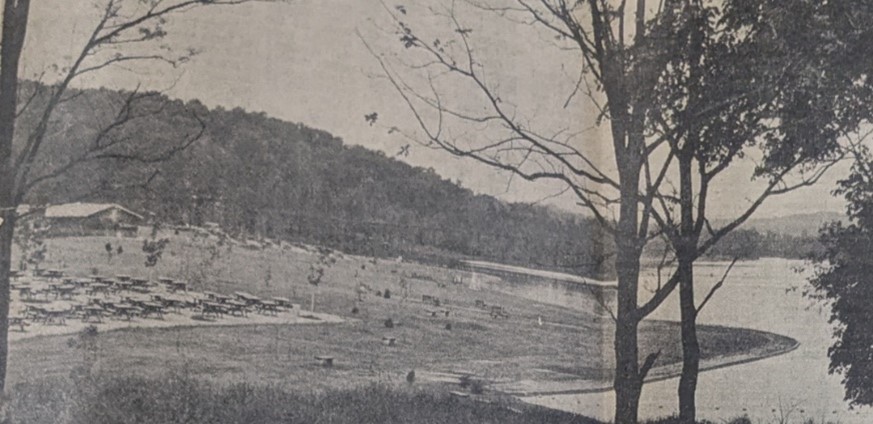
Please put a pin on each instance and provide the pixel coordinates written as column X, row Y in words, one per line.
column 303, row 61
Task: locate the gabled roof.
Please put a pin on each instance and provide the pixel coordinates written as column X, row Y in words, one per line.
column 83, row 210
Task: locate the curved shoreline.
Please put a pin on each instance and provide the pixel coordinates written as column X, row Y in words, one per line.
column 673, row 370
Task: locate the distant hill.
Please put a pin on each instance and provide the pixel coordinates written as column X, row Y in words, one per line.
column 794, row 225
column 792, row 236
column 260, row 177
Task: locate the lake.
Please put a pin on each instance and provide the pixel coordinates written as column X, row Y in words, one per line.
column 766, row 295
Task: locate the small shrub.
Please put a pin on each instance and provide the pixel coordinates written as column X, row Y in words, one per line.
column 355, row 310
column 389, row 323
column 474, row 385
column 448, row 326
column 387, row 294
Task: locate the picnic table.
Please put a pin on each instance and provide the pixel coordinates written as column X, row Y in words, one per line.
column 55, row 315
column 248, row 298
column 178, row 286
column 64, row 291
column 221, row 298
column 152, row 309
column 96, row 288
column 122, row 285
column 25, row 291
column 176, row 303
column 54, row 273
column 283, row 302
column 18, row 321
column 92, row 311
column 236, row 308
column 389, row 340
column 268, row 307
column 140, row 282
column 214, row 309
column 126, row 310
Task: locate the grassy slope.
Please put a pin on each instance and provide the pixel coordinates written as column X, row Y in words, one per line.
column 496, row 349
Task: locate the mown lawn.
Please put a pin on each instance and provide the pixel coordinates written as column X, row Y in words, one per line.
column 494, row 349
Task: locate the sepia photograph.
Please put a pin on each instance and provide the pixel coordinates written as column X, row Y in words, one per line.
column 436, row 211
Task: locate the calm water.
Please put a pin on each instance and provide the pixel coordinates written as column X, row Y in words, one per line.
column 765, row 295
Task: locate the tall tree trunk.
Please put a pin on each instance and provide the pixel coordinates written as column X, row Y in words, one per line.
column 686, row 255
column 6, row 232
column 15, row 15
column 628, row 381
column 690, row 345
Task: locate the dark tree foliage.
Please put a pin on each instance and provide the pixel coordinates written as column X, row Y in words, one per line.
column 844, row 282
column 261, row 177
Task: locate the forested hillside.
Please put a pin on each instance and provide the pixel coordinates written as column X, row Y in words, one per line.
column 262, row 177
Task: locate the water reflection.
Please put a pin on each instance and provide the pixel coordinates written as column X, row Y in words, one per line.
column 764, row 295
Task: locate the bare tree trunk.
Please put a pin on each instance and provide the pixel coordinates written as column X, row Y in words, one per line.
column 14, row 28
column 686, row 254
column 628, row 381
column 6, row 232
column 690, row 345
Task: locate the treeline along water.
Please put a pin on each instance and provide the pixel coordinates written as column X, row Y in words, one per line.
column 258, row 176
column 262, row 177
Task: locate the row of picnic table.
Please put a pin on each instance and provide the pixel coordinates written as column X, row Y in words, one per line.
column 213, row 305
column 94, row 285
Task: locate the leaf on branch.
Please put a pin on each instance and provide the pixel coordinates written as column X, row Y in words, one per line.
column 409, row 41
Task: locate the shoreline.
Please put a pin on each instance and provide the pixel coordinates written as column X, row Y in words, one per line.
column 666, row 372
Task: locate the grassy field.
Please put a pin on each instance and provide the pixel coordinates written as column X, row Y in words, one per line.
column 570, row 345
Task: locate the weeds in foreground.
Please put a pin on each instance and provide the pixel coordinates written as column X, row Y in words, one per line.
column 178, row 397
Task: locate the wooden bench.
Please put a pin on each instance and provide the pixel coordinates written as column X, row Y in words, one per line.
column 325, row 361
column 459, row 394
column 480, row 303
